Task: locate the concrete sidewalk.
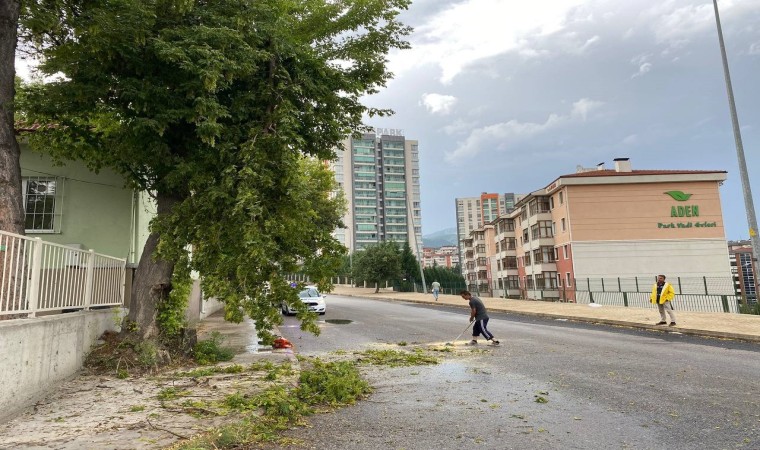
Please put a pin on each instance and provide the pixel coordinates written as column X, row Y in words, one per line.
column 719, row 325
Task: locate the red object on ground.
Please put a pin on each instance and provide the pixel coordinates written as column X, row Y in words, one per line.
column 281, row 343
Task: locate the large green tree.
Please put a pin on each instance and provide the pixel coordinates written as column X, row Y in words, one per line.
column 377, row 264
column 222, row 110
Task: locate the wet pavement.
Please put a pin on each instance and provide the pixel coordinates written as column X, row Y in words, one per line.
column 719, row 325
column 242, row 339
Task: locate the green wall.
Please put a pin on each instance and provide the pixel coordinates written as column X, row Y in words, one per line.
column 97, row 210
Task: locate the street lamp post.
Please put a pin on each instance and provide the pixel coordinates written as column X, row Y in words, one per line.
column 743, row 174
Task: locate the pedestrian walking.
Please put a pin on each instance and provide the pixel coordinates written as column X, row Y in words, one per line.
column 663, row 295
column 479, row 315
column 436, row 289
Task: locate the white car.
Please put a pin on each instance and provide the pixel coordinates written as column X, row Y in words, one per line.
column 313, row 299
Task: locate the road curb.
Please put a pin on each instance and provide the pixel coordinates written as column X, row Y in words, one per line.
column 620, row 323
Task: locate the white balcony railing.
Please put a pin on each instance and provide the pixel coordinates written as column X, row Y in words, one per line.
column 37, row 276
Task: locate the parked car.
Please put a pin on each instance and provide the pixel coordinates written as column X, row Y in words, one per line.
column 313, row 299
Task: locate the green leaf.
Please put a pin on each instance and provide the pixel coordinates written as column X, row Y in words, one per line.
column 679, row 196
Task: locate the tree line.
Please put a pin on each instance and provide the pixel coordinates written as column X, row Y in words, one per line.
column 389, row 262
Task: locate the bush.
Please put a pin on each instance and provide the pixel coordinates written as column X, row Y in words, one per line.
column 750, row 309
column 210, row 351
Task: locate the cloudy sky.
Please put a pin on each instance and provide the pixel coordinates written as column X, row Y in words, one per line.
column 504, row 96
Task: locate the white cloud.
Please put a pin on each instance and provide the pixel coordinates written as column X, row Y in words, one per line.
column 458, row 127
column 501, row 134
column 473, row 30
column 643, row 69
column 438, row 103
column 584, row 106
column 590, row 42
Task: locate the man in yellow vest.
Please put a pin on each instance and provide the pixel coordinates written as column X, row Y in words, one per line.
column 663, row 295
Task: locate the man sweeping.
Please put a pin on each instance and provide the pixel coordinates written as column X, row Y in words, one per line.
column 479, row 315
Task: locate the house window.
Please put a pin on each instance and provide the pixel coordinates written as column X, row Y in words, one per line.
column 42, row 204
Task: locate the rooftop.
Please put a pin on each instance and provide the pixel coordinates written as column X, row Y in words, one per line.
column 610, row 172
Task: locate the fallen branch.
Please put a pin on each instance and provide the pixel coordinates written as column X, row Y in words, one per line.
column 165, row 430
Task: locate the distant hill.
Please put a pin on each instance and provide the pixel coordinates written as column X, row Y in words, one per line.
column 440, row 238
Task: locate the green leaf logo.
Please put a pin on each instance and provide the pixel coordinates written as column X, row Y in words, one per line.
column 678, row 195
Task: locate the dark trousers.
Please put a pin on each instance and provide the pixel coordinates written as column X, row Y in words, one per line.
column 480, row 328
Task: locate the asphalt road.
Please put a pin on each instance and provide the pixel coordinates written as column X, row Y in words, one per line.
column 605, row 387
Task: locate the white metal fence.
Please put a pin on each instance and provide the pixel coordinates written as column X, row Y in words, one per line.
column 38, row 276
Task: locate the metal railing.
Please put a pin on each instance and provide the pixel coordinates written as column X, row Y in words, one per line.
column 37, row 276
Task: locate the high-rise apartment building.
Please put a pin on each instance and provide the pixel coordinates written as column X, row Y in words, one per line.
column 743, row 269
column 474, row 212
column 380, row 177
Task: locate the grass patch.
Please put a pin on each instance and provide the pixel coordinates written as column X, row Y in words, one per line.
column 210, row 351
column 170, row 393
column 269, row 413
column 395, row 358
column 209, row 371
column 137, row 408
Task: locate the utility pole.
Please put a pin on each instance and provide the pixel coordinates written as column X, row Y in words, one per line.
column 748, row 203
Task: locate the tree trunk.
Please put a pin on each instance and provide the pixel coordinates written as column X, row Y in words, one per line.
column 153, row 281
column 11, row 203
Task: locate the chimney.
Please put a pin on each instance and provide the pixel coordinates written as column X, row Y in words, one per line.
column 623, row 165
column 600, row 166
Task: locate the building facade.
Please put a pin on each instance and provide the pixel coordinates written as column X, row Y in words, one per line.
column 447, row 256
column 743, row 269
column 599, row 225
column 379, row 175
column 474, row 212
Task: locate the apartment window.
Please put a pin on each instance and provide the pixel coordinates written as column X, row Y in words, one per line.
column 545, row 229
column 510, row 262
column 551, row 202
column 554, row 228
column 42, row 204
column 561, row 198
column 547, row 254
column 563, row 225
column 525, row 236
column 526, row 259
column 566, row 248
column 513, row 282
column 556, row 253
column 559, row 280
column 550, row 280
column 568, row 280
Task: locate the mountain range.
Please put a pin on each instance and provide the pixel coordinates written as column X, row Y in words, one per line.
column 440, row 238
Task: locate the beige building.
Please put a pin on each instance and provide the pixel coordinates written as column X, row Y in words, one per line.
column 606, row 225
